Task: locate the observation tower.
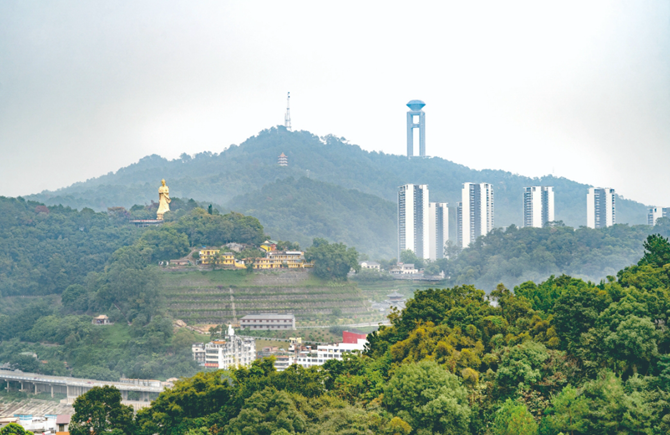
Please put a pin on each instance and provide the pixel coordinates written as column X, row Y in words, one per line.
column 416, row 118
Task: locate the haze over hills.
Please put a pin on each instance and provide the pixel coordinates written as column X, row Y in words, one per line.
column 246, row 178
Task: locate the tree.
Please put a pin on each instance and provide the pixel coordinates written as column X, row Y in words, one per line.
column 75, row 298
column 100, row 411
column 656, row 251
column 514, row 419
column 634, row 341
column 567, row 412
column 409, row 257
column 428, row 397
column 267, row 412
column 521, row 364
column 14, row 429
column 332, row 261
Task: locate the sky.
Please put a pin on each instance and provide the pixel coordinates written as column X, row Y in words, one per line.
column 579, row 89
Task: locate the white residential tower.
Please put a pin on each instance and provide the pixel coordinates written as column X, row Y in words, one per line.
column 476, row 212
column 413, row 220
column 655, row 213
column 438, row 220
column 538, row 206
column 600, row 207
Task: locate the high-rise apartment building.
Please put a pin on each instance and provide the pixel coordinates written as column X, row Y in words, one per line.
column 476, row 212
column 413, row 220
column 600, row 207
column 538, row 206
column 459, row 223
column 655, row 213
column 438, row 219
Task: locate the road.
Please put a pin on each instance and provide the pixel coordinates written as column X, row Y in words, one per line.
column 351, row 325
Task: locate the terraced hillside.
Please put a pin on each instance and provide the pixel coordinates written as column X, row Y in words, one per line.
column 224, row 295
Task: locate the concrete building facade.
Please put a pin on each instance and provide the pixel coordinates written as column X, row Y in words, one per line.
column 371, row 265
column 231, row 352
column 414, row 220
column 600, row 207
column 538, row 206
column 438, row 224
column 268, row 321
column 476, row 212
column 655, row 213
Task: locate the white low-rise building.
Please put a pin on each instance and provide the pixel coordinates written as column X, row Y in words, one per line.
column 370, row 265
column 328, row 352
column 231, row 352
column 268, row 321
column 404, row 269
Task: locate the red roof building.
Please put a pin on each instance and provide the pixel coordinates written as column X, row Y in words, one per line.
column 352, row 338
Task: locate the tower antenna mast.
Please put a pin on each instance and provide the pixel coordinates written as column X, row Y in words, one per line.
column 287, row 117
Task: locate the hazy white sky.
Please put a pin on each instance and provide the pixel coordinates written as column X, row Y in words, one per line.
column 580, row 89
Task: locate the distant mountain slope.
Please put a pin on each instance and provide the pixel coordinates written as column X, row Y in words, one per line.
column 219, row 178
column 300, row 210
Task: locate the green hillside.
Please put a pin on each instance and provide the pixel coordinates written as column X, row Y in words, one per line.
column 223, row 295
column 517, row 255
column 243, row 169
column 302, row 209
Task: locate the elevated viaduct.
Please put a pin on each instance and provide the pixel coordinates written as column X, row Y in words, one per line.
column 138, row 390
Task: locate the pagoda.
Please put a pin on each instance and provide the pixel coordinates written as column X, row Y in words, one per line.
column 283, row 160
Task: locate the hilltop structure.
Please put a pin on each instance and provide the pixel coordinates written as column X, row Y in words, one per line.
column 600, row 207
column 287, row 115
column 416, row 118
column 283, row 160
column 538, row 206
column 163, row 201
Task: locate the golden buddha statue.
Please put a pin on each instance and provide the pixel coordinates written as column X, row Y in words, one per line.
column 163, row 200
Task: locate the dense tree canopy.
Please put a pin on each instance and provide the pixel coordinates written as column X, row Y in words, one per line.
column 332, row 260
column 517, row 255
column 560, row 357
column 43, row 250
column 98, row 263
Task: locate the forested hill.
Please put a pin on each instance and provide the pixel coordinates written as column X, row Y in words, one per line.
column 303, row 209
column 517, row 255
column 238, row 170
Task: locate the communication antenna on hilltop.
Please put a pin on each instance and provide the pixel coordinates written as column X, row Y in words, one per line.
column 287, row 117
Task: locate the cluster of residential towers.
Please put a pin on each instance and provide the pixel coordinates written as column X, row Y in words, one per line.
column 423, row 226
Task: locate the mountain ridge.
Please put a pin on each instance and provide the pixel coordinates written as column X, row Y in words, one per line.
column 223, row 178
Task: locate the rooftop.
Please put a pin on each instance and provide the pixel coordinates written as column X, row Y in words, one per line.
column 416, row 104
column 63, row 419
column 268, row 316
